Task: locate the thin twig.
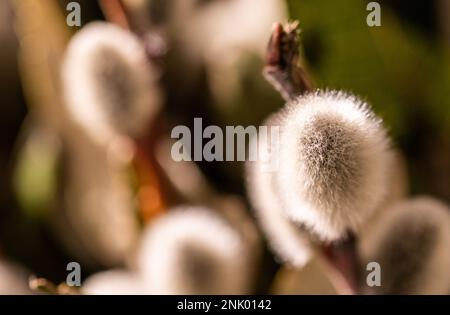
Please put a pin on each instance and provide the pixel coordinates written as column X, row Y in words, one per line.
column 343, row 262
column 115, row 12
column 155, row 43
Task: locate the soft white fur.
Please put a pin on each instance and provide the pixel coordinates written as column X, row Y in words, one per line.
column 164, row 253
column 334, row 161
column 113, row 282
column 96, row 48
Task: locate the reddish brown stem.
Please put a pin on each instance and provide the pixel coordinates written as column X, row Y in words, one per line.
column 115, row 12
column 343, row 260
column 150, row 195
column 154, row 42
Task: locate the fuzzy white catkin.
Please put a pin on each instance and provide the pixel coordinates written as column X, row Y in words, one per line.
column 192, row 250
column 411, row 241
column 113, row 282
column 334, row 161
column 286, row 240
column 109, row 86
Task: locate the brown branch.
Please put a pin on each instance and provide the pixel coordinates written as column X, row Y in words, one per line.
column 115, row 12
column 154, row 42
column 282, row 68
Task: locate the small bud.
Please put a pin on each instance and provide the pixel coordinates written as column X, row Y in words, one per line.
column 193, row 251
column 109, row 86
column 334, row 161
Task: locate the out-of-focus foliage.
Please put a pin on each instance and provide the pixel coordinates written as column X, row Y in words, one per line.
column 35, row 175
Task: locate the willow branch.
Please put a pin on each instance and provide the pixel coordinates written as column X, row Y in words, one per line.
column 283, row 70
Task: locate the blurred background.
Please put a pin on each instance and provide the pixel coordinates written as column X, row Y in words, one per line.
column 65, row 198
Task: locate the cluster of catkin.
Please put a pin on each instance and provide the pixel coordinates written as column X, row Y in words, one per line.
column 331, row 191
